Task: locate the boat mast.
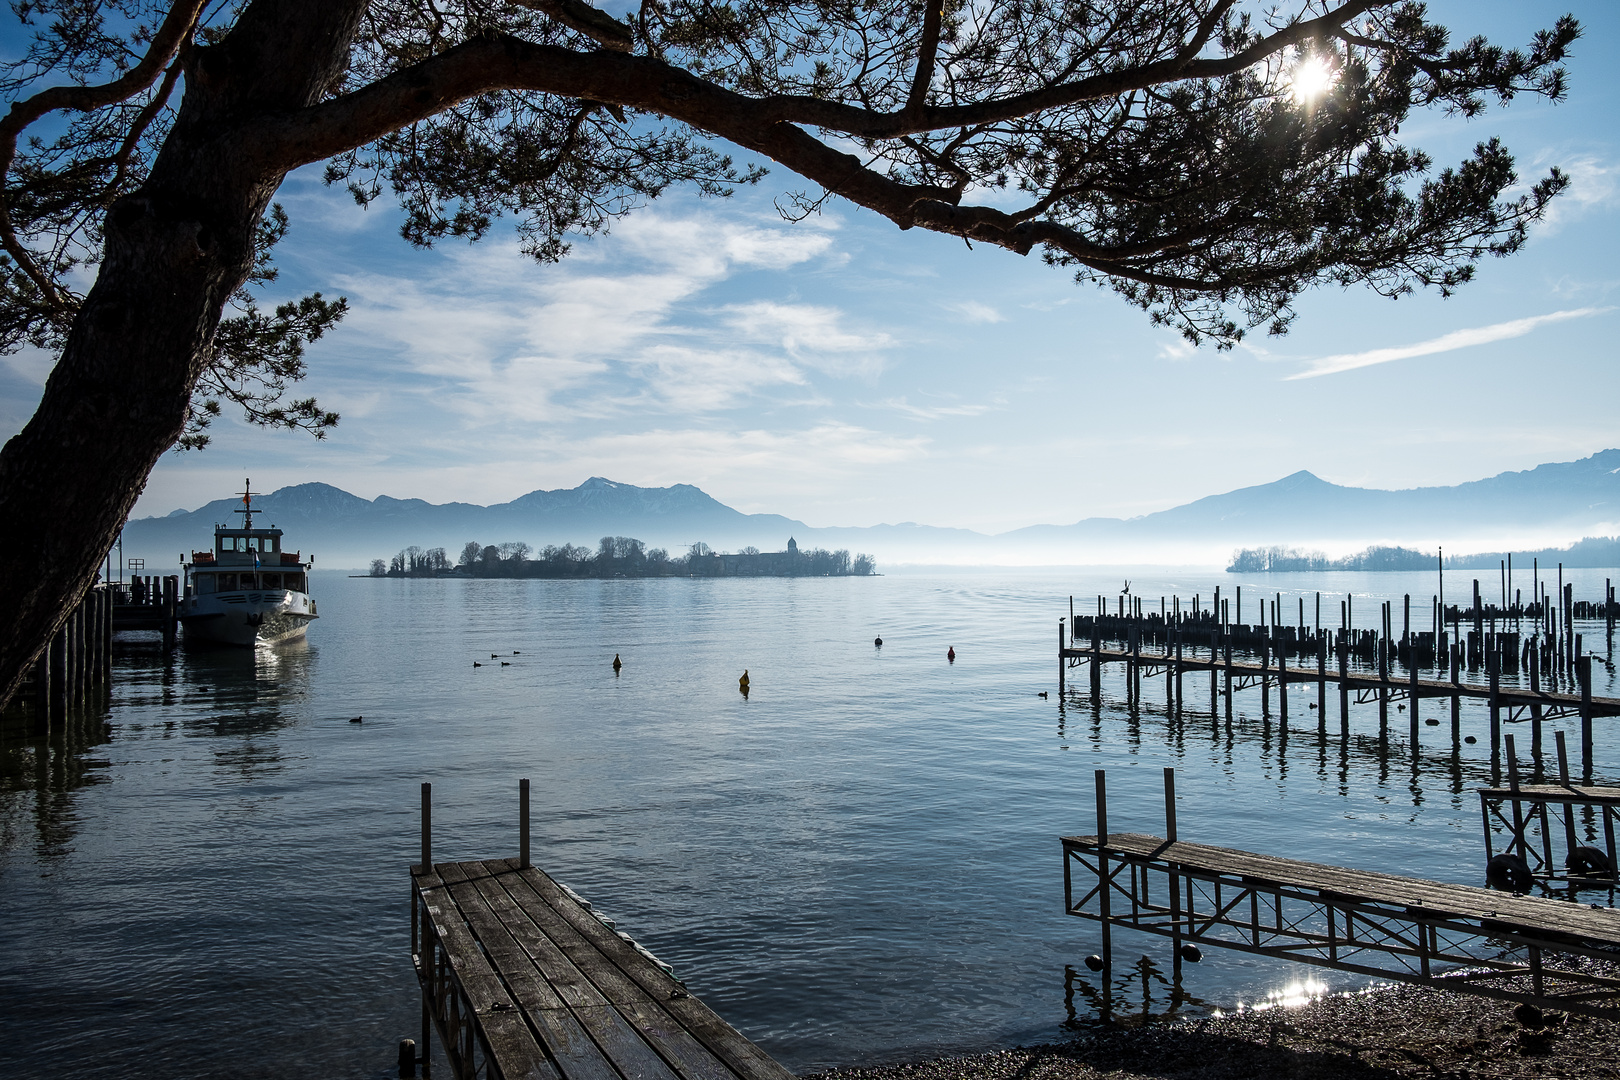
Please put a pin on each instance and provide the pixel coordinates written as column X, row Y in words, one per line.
column 247, row 504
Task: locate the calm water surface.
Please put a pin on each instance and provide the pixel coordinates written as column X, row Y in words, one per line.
column 857, row 863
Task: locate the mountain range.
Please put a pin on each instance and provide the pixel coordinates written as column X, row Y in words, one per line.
column 1555, row 503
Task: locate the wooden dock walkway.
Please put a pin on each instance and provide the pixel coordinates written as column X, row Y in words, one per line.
column 1184, row 656
column 1462, row 938
column 523, row 980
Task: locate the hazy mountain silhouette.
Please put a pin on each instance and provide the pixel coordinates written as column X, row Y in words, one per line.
column 1569, row 499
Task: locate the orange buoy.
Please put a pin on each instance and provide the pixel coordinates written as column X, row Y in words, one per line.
column 950, row 654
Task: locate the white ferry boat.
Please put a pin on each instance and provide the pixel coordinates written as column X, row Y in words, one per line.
column 247, row 591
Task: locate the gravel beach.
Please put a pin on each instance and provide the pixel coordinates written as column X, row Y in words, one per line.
column 1388, row 1032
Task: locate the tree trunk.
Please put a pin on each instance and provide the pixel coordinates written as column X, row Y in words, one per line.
column 175, row 251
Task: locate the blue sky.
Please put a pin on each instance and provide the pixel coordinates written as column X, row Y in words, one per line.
column 844, row 373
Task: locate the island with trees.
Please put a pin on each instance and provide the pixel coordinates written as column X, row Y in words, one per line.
column 620, row 556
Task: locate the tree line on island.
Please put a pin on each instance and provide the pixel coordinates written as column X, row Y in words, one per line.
column 1592, row 551
column 620, row 556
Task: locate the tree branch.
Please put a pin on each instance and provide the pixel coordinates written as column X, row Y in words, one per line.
column 174, row 31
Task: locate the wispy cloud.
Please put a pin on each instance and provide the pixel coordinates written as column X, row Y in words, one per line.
column 1457, row 339
column 974, row 312
column 935, row 412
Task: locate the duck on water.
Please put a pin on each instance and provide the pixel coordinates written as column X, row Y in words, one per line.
column 247, row 590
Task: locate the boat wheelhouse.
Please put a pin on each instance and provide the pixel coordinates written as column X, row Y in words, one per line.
column 247, row 590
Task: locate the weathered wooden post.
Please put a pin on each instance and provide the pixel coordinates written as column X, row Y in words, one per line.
column 1228, row 644
column 1456, row 698
column 522, row 821
column 59, row 673
column 1493, row 670
column 1583, row 672
column 1062, row 660
column 1535, row 706
column 1103, row 887
column 1282, row 683
column 1096, row 659
column 1321, row 674
column 1344, row 687
column 1174, row 878
column 1412, row 694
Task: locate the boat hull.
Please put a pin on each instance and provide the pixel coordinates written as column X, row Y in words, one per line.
column 246, row 619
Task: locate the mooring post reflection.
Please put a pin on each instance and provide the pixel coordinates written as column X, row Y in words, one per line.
column 1131, row 997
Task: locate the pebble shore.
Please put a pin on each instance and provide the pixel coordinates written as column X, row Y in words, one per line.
column 1393, row 1032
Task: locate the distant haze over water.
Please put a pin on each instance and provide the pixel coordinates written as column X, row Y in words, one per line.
column 1551, row 505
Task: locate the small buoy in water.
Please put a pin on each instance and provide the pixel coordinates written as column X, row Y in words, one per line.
column 1432, row 722
column 356, row 719
column 950, row 654
column 1041, row 694
column 742, row 683
column 617, row 663
column 1191, row 953
column 878, row 642
column 1470, row 740
column 1094, row 962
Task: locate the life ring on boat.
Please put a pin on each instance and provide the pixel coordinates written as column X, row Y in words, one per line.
column 1589, row 862
column 1508, row 873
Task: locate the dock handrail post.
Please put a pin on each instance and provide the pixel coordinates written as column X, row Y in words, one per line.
column 522, row 823
column 1061, row 663
column 427, row 828
column 1583, row 672
column 1102, row 876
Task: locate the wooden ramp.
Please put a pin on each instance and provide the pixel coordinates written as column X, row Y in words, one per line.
column 522, row 980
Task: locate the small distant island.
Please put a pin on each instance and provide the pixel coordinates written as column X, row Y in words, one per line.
column 620, row 556
column 1592, row 551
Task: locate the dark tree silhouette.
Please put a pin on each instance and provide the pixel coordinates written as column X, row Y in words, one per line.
column 1155, row 146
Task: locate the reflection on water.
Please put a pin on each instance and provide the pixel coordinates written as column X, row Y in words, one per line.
column 39, row 773
column 1134, row 997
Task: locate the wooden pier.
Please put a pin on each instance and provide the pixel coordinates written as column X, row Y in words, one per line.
column 1462, row 938
column 523, row 979
column 75, row 669
column 1185, row 647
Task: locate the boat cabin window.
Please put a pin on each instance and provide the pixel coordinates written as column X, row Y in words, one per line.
column 296, row 582
column 270, row 581
column 204, row 583
column 227, row 582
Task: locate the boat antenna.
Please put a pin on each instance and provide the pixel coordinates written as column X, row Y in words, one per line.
column 247, row 504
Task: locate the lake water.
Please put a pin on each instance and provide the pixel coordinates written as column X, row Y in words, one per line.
column 857, row 863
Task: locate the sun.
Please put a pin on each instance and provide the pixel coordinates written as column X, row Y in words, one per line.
column 1312, row 78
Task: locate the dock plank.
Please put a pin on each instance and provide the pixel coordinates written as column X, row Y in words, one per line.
column 725, row 1042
